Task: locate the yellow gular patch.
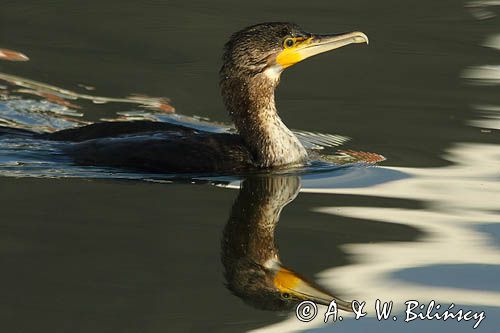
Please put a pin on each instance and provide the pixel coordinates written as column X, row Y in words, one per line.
column 291, row 55
column 285, row 280
column 288, row 57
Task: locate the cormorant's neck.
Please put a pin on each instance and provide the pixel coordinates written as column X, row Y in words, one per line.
column 249, row 99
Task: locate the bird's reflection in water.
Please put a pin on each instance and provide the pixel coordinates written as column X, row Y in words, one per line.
column 253, row 269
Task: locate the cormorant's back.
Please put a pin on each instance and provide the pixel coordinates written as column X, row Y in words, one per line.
column 166, row 152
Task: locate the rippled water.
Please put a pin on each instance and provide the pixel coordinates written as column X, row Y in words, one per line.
column 99, row 250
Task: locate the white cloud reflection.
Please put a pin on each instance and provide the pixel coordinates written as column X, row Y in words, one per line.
column 481, row 9
column 490, row 117
column 484, row 74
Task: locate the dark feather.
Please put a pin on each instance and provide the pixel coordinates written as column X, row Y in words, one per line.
column 167, row 152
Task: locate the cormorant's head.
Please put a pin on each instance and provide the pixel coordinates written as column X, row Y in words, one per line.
column 271, row 47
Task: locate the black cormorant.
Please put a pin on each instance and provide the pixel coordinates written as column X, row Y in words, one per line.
column 253, row 61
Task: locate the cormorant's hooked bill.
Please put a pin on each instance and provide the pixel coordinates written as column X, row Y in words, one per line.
column 296, row 49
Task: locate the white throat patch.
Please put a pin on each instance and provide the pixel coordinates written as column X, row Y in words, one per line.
column 274, row 72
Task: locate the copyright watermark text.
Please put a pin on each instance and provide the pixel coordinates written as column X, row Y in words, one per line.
column 306, row 311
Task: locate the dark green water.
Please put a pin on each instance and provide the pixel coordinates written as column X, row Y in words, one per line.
column 107, row 255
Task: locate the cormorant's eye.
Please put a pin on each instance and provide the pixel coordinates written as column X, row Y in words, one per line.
column 285, row 295
column 289, row 42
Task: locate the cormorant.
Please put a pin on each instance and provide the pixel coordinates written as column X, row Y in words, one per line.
column 253, row 61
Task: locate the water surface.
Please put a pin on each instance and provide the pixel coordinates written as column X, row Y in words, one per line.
column 98, row 250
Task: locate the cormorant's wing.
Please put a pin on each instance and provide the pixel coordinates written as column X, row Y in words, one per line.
column 165, row 152
column 319, row 141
